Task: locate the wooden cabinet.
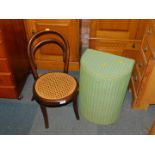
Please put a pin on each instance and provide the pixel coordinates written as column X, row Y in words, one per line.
column 152, row 130
column 133, row 39
column 143, row 89
column 115, row 28
column 116, row 35
column 52, row 59
column 14, row 65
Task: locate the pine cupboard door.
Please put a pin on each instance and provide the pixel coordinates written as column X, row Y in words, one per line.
column 52, row 59
column 114, row 35
column 114, row 28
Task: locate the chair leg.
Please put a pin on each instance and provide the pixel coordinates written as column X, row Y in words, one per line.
column 32, row 98
column 45, row 116
column 75, row 107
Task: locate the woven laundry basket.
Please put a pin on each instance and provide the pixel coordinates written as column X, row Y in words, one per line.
column 104, row 79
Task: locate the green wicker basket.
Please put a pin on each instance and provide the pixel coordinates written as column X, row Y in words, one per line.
column 104, row 79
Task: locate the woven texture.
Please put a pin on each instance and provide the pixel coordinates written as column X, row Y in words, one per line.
column 103, row 83
column 55, row 86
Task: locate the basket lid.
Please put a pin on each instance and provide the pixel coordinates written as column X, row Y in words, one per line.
column 104, row 64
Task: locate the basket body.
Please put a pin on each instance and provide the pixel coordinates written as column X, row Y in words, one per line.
column 104, row 79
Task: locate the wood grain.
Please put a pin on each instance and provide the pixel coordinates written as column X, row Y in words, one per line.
column 14, row 66
column 70, row 28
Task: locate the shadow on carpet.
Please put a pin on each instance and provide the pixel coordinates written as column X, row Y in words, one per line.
column 62, row 121
column 16, row 119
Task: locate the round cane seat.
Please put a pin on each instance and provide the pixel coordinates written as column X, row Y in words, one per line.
column 55, row 86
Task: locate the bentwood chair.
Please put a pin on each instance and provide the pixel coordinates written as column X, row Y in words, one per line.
column 52, row 89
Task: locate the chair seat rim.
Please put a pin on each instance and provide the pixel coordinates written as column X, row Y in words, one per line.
column 62, row 100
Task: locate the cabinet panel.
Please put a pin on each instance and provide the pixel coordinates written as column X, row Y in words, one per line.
column 113, row 24
column 57, row 25
column 8, row 92
column 133, row 89
column 141, row 62
column 152, row 130
column 2, row 49
column 68, row 27
column 146, row 64
column 114, row 28
column 6, row 79
column 56, row 22
column 150, row 34
column 4, row 65
column 146, row 49
column 114, row 35
column 14, row 66
column 136, row 78
column 139, row 57
column 146, row 92
column 115, row 46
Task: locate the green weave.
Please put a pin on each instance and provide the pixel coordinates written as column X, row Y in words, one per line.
column 104, row 79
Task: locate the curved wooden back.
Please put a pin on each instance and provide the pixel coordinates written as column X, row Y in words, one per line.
column 63, row 44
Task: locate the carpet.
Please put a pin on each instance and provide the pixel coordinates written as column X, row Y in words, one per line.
column 23, row 117
column 62, row 121
column 131, row 122
column 16, row 119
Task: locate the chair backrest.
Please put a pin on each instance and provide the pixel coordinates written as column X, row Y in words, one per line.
column 53, row 38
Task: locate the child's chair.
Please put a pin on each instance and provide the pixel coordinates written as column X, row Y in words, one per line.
column 54, row 88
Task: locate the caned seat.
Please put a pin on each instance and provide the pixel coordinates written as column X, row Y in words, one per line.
column 53, row 88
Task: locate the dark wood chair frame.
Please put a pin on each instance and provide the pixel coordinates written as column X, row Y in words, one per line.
column 64, row 45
